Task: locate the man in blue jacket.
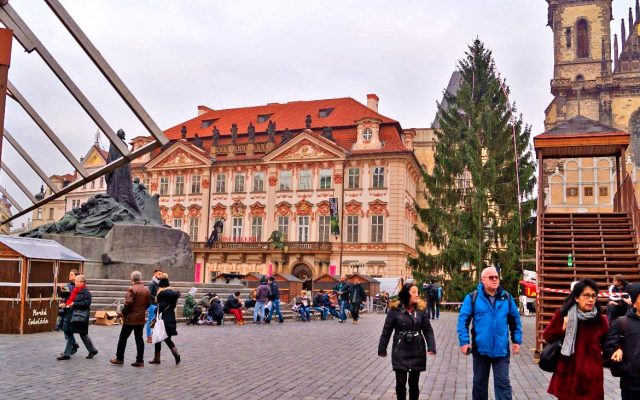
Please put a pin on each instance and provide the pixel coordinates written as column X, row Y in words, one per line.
column 494, row 314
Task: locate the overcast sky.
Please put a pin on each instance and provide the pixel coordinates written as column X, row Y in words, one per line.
column 175, row 55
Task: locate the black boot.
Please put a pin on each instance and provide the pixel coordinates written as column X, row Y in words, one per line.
column 156, row 358
column 176, row 355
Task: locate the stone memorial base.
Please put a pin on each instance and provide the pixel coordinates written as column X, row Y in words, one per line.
column 128, row 248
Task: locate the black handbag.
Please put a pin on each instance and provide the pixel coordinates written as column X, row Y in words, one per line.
column 79, row 317
column 550, row 355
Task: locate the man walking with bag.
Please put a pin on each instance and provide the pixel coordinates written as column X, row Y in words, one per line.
column 136, row 303
column 494, row 314
column 153, row 289
column 275, row 301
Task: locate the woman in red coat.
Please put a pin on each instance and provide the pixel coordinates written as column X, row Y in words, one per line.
column 579, row 373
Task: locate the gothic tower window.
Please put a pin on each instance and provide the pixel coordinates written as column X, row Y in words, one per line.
column 583, row 39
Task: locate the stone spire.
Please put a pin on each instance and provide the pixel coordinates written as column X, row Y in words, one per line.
column 615, row 51
column 637, row 10
column 603, row 61
column 623, row 34
column 630, row 21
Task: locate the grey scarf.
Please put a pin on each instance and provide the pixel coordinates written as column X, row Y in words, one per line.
column 569, row 342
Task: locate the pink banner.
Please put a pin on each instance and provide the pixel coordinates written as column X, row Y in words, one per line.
column 270, row 269
column 197, row 274
column 332, row 269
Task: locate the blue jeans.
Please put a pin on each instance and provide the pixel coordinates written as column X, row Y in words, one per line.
column 304, row 313
column 71, row 341
column 344, row 305
column 323, row 312
column 501, row 384
column 258, row 309
column 275, row 309
column 151, row 315
column 333, row 312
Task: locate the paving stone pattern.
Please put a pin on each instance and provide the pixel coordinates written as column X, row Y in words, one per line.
column 294, row 360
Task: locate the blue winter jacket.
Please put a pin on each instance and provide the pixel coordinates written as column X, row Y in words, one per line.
column 491, row 324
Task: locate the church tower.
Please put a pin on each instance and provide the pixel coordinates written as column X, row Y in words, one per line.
column 582, row 60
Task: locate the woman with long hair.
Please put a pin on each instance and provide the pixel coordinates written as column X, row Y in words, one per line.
column 582, row 328
column 167, row 298
column 412, row 341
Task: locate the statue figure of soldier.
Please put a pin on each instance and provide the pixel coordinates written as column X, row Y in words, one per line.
column 215, row 233
column 234, row 133
column 251, row 130
column 216, row 136
column 271, row 131
column 307, row 121
column 286, row 135
column 183, row 131
column 197, row 141
column 327, row 133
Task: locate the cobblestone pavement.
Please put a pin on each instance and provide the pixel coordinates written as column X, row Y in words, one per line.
column 295, row 360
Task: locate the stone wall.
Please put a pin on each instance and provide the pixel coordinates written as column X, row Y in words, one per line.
column 127, row 248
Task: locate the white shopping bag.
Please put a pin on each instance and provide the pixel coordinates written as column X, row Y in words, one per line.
column 158, row 334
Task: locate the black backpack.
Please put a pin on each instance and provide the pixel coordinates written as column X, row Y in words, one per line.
column 618, row 369
column 433, row 293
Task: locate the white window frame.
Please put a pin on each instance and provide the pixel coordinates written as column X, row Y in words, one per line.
column 236, row 227
column 194, row 223
column 284, row 180
column 324, row 228
column 283, row 227
column 196, row 184
column 304, row 179
column 179, row 186
column 353, row 178
column 221, row 183
column 258, row 182
column 377, row 228
column 325, row 178
column 177, row 223
column 353, row 228
column 378, row 178
column 164, row 186
column 303, row 228
column 238, row 183
column 256, row 228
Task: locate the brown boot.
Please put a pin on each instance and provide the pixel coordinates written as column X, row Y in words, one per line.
column 176, row 355
column 156, row 358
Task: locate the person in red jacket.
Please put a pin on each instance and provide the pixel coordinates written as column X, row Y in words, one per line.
column 581, row 327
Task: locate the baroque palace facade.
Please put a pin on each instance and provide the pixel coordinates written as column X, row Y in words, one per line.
column 301, row 168
column 595, row 88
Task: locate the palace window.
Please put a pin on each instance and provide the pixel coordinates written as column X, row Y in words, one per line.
column 283, row 227
column 367, row 134
column 324, row 223
column 588, row 191
column 258, row 182
column 285, row 180
column 325, row 178
column 256, row 228
column 93, row 184
column 583, row 39
column 164, row 186
column 325, row 112
column 207, row 123
column 377, row 228
column 179, row 185
column 146, row 182
column 303, row 229
column 572, row 192
column 102, row 182
column 195, row 184
column 239, row 183
column 236, row 228
column 353, row 181
column 39, row 213
column 177, row 223
column 603, row 191
column 304, row 180
column 51, row 213
column 221, row 180
column 264, row 118
column 193, row 229
column 378, row 177
column 352, row 228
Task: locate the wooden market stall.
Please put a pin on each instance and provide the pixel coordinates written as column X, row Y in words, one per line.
column 370, row 285
column 30, row 271
column 252, row 279
column 289, row 286
column 325, row 282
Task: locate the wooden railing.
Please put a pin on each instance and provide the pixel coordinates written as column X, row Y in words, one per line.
column 261, row 246
column 625, row 201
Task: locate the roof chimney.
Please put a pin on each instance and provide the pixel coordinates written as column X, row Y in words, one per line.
column 203, row 110
column 372, row 101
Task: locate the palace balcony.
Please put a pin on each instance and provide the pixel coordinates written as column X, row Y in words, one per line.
column 261, row 247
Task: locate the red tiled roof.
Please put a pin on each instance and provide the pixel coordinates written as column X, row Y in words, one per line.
column 290, row 115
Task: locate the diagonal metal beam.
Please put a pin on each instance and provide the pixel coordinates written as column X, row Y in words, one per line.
column 29, row 160
column 11, row 199
column 96, row 174
column 18, row 182
column 17, row 96
column 106, row 70
column 7, row 12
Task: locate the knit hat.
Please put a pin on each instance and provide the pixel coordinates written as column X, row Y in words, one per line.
column 634, row 292
column 164, row 282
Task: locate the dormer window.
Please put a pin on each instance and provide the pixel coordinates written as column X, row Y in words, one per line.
column 367, row 134
column 324, row 112
column 264, row 118
column 208, row 122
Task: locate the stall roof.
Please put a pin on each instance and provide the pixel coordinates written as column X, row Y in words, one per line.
column 365, row 277
column 289, row 277
column 40, row 248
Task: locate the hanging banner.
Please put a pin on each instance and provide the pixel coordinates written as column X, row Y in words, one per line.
column 333, row 207
column 332, row 269
column 270, row 269
column 196, row 271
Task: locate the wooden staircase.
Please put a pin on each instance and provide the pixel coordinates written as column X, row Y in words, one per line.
column 601, row 244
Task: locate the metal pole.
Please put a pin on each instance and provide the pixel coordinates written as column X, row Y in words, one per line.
column 6, row 37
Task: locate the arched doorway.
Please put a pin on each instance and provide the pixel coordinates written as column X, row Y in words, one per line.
column 304, row 273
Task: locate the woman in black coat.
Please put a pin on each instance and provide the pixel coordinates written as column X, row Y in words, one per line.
column 412, row 341
column 167, row 298
column 76, row 318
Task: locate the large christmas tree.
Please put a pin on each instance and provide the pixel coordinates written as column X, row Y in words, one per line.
column 474, row 216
